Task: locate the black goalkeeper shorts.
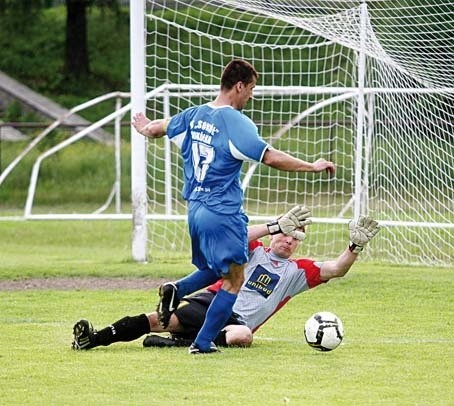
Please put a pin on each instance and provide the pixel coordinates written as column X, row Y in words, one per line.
column 192, row 310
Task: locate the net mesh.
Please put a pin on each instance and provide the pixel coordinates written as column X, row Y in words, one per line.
column 311, row 94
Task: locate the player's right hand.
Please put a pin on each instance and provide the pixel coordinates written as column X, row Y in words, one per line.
column 140, row 122
column 324, row 165
column 291, row 223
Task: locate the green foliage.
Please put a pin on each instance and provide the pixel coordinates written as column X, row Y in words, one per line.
column 82, row 174
column 13, row 112
column 34, row 55
column 19, row 14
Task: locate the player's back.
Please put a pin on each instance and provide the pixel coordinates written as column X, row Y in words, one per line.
column 215, row 141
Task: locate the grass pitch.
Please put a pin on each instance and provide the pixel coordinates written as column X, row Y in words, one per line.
column 398, row 347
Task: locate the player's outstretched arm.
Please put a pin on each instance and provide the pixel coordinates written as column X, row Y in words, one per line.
column 360, row 233
column 149, row 128
column 285, row 162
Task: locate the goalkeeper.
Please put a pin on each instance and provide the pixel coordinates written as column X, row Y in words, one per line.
column 271, row 279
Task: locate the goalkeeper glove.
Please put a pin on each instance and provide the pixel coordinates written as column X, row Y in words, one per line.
column 289, row 223
column 361, row 233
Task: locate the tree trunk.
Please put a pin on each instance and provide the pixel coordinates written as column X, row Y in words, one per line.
column 76, row 52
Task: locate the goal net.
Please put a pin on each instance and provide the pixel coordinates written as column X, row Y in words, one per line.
column 366, row 84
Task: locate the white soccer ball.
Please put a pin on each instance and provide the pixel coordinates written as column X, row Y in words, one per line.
column 324, row 331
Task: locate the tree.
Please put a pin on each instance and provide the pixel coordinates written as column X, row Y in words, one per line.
column 77, row 61
column 76, row 48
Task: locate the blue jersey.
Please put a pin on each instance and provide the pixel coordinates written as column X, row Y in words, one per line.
column 214, row 142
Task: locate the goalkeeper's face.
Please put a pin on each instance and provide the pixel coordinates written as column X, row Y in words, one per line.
column 283, row 245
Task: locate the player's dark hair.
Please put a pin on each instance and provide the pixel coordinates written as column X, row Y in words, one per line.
column 237, row 71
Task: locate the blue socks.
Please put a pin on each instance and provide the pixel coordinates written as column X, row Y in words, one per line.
column 195, row 281
column 217, row 315
column 219, row 310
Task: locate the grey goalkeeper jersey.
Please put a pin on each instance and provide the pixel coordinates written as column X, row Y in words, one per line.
column 270, row 282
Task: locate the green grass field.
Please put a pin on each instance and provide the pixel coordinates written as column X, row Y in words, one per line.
column 398, row 348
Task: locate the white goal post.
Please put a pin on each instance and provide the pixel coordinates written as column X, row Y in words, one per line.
column 352, row 81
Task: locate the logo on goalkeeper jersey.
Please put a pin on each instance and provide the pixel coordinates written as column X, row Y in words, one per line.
column 262, row 281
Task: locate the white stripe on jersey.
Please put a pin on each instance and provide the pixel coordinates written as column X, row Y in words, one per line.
column 237, row 154
column 178, row 139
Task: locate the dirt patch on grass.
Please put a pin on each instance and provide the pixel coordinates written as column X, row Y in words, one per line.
column 91, row 283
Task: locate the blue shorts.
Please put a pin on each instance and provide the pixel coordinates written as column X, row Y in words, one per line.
column 217, row 240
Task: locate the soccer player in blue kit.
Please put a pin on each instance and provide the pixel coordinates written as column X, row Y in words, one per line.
column 215, row 138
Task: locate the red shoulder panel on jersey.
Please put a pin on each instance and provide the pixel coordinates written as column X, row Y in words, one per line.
column 312, row 271
column 254, row 244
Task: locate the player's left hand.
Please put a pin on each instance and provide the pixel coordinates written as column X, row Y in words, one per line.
column 362, row 232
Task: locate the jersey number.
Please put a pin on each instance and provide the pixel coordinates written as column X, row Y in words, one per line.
column 202, row 156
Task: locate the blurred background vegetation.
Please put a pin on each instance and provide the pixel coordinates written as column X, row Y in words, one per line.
column 69, row 51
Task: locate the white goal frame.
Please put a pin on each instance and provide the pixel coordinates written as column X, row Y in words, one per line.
column 169, row 90
column 376, row 117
